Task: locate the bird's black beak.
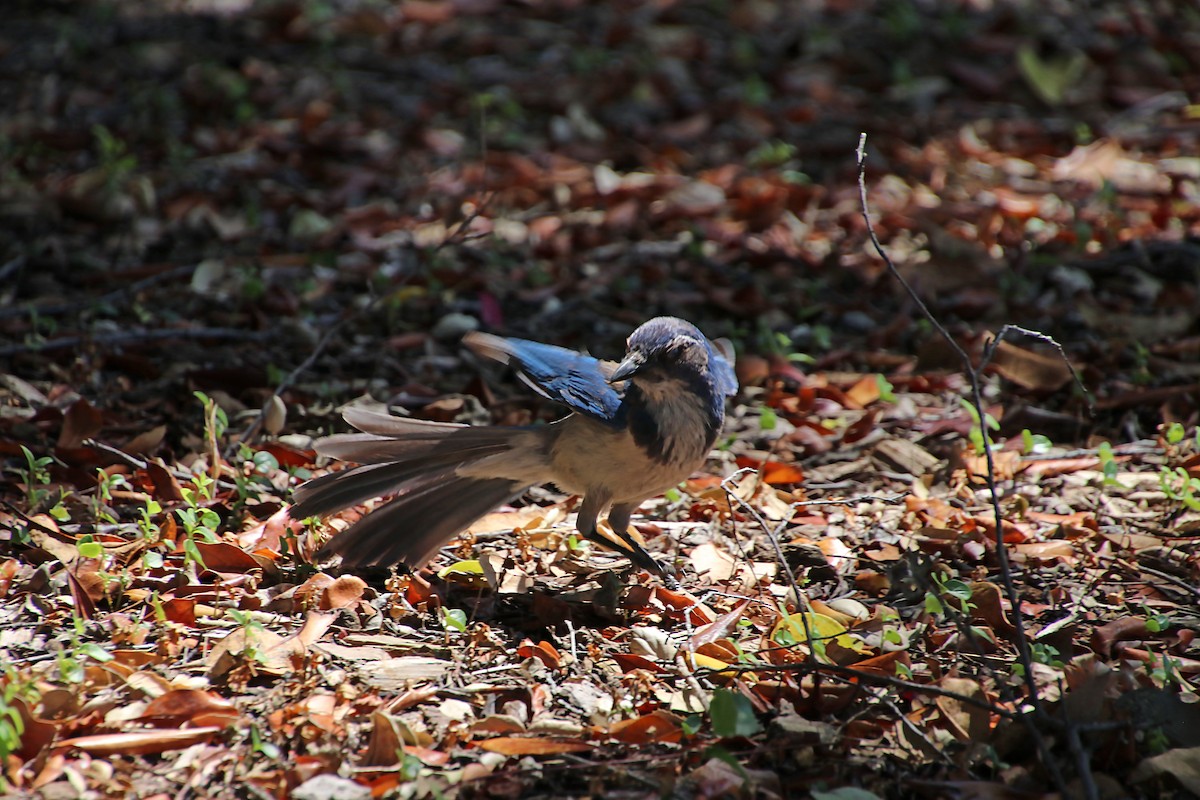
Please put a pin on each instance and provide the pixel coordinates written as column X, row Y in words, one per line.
column 627, row 368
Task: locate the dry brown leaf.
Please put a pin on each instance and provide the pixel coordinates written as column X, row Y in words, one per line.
column 81, row 421
column 657, row 727
column 142, row 743
column 225, row 557
column 343, row 592
column 523, row 746
column 1029, row 369
column 189, row 706
column 542, row 651
column 968, row 723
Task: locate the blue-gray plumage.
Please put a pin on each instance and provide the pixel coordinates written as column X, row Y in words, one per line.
column 638, row 428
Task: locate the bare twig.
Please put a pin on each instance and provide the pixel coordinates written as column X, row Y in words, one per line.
column 113, row 297
column 989, row 351
column 891, row 500
column 256, row 425
column 1024, row 652
column 131, row 337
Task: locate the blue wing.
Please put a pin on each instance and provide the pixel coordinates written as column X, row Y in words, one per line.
column 577, row 381
column 720, row 354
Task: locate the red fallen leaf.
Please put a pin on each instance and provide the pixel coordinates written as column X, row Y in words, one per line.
column 264, row 539
column 629, row 662
column 524, row 746
column 884, row 664
column 182, row 706
column 1186, row 666
column 717, row 630
column 811, row 438
column 864, row 392
column 38, row 732
column 288, row 456
column 542, row 651
column 682, row 604
column 702, row 483
column 782, row 368
column 1124, row 629
column 1014, row 532
column 8, row 570
column 429, row 757
column 225, row 557
column 84, row 604
column 147, row 742
column 773, row 472
column 638, row 598
column 861, row 427
column 655, row 727
column 181, row 610
column 81, row 421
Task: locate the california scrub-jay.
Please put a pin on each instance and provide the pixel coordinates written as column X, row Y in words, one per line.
column 638, row 429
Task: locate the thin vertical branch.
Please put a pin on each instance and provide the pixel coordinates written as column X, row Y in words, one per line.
column 1024, row 652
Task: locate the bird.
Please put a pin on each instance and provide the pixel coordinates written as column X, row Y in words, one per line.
column 636, row 429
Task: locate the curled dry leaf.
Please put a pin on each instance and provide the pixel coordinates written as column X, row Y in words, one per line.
column 142, row 743
column 189, row 706
column 344, row 592
column 542, row 651
column 1124, row 629
column 657, row 727
column 630, row 661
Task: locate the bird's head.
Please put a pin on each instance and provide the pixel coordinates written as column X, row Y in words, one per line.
column 668, row 349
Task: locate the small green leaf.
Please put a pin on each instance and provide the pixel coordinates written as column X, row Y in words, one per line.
column 957, row 589
column 691, row 724
column 933, row 605
column 845, row 793
column 192, row 552
column 71, row 670
column 886, row 391
column 732, row 714
column 767, row 419
column 454, row 619
column 1175, row 433
column 89, row 549
column 1050, row 78
column 95, row 652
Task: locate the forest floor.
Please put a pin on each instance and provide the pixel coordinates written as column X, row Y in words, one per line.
column 223, row 220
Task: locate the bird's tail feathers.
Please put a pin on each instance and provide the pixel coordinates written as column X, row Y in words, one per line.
column 413, row 526
column 423, row 464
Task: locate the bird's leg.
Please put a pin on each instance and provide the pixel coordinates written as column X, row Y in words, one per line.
column 618, row 520
column 586, row 524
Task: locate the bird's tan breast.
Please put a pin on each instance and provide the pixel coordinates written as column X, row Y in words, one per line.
column 599, row 458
